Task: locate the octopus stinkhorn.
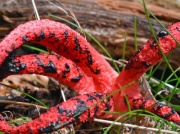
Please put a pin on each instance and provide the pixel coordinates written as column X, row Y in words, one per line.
column 81, row 67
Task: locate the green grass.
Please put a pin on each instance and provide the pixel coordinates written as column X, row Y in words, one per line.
column 35, row 48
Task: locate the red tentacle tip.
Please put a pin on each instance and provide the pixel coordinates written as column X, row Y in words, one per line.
column 162, row 110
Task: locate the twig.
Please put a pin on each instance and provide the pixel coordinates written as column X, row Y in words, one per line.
column 35, row 10
column 21, row 103
column 135, row 126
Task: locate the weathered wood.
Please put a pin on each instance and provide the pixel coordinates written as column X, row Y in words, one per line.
column 109, row 21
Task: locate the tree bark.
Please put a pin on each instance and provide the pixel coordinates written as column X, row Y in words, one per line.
column 109, row 21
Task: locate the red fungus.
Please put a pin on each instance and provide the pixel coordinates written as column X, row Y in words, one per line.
column 64, row 41
column 63, row 114
column 58, row 67
column 85, row 72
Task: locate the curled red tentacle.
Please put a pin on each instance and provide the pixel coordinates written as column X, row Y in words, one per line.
column 58, row 67
column 150, row 54
column 157, row 108
column 64, row 41
column 77, row 109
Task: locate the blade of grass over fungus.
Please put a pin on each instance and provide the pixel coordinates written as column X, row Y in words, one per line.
column 35, row 48
column 96, row 41
column 127, row 102
column 153, row 70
